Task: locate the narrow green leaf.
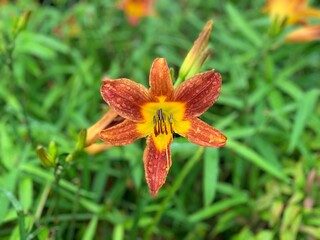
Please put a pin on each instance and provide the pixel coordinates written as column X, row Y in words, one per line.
column 242, row 24
column 216, row 208
column 118, row 232
column 90, row 232
column 8, row 149
column 210, row 175
column 18, row 208
column 8, row 182
column 305, row 107
column 26, row 192
column 289, row 88
column 256, row 159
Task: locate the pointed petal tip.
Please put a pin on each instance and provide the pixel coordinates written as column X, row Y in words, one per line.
column 154, row 192
column 205, row 135
column 160, row 79
column 160, row 61
column 222, row 141
column 125, row 96
column 106, row 79
column 156, row 165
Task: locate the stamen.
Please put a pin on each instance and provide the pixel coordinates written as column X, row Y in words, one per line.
column 170, row 118
column 160, row 122
column 168, row 160
column 171, row 122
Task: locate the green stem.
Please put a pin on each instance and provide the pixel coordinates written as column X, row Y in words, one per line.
column 178, row 81
column 187, row 168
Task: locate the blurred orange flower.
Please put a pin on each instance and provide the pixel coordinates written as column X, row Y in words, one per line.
column 136, row 9
column 288, row 12
column 304, row 34
column 69, row 28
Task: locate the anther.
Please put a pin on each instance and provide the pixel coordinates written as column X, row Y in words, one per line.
column 160, row 122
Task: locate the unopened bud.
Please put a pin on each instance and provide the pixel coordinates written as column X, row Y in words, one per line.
column 81, row 140
column 21, row 23
column 197, row 55
column 45, row 158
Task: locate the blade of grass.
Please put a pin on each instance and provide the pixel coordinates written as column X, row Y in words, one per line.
column 216, row 208
column 242, row 24
column 305, row 107
column 91, row 229
column 17, row 206
column 210, row 174
column 256, row 159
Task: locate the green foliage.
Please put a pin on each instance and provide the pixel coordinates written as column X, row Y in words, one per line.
column 264, row 184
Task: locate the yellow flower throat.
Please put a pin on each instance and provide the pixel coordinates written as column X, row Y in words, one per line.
column 162, row 119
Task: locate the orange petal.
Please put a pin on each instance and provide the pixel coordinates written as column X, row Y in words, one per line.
column 125, row 97
column 305, row 34
column 160, row 79
column 156, row 165
column 121, row 134
column 203, row 134
column 199, row 92
column 310, row 12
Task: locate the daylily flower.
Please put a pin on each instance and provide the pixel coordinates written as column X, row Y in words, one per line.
column 160, row 112
column 136, row 9
column 288, row 12
column 304, row 34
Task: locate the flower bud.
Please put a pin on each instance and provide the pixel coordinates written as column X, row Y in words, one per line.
column 197, row 55
column 45, row 158
column 21, row 23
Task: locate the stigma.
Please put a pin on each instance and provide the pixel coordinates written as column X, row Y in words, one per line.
column 162, row 123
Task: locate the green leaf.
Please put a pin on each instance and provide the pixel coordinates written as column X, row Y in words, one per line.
column 7, row 148
column 8, row 182
column 256, row 159
column 210, row 175
column 26, row 192
column 216, row 208
column 245, row 28
column 118, row 232
column 18, row 208
column 306, row 105
column 90, row 232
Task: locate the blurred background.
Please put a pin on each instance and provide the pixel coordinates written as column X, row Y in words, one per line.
column 264, row 184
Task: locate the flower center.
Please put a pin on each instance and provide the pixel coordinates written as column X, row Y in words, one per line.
column 162, row 124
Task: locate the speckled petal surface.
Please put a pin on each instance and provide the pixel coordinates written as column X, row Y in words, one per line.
column 156, row 165
column 203, row 134
column 160, row 79
column 121, row 134
column 126, row 97
column 199, row 92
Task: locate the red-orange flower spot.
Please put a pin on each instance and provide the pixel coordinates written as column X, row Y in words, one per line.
column 304, row 34
column 288, row 12
column 136, row 9
column 159, row 112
